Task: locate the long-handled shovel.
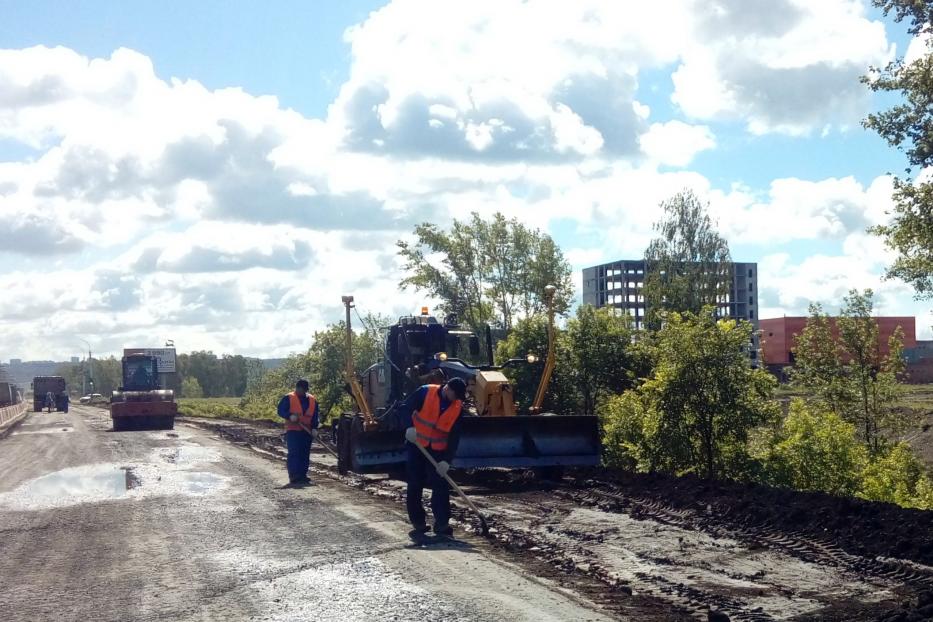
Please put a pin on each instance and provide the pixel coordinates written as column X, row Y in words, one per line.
column 315, row 437
column 412, row 437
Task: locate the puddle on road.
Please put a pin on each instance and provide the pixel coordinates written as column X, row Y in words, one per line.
column 43, row 426
column 162, row 474
column 83, row 484
column 46, row 430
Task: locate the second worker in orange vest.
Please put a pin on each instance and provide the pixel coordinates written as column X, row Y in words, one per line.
column 300, row 411
column 435, row 411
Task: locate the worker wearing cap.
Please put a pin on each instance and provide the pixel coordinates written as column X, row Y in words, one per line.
column 435, row 410
column 300, row 411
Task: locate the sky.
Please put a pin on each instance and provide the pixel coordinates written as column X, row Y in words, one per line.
column 219, row 175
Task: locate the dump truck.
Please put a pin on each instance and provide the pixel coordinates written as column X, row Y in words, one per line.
column 493, row 432
column 42, row 386
column 9, row 395
column 141, row 403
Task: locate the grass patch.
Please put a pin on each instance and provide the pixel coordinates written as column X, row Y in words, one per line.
column 222, row 407
column 913, row 396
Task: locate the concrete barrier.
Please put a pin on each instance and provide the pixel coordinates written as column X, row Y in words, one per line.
column 9, row 415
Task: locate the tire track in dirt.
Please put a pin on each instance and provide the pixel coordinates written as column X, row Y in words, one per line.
column 795, row 543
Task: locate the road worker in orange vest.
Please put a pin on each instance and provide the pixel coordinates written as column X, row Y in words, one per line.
column 435, row 410
column 300, row 411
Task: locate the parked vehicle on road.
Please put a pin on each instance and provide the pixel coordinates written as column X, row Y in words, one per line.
column 42, row 386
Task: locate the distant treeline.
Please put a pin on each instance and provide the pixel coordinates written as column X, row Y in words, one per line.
column 199, row 374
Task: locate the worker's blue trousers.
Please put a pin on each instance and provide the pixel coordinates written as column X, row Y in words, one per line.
column 420, row 474
column 298, row 443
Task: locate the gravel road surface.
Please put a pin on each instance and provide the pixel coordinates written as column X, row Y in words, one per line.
column 181, row 525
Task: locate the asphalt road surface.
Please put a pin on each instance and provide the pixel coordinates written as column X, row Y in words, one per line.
column 97, row 525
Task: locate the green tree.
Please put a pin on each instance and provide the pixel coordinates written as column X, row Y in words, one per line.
column 908, row 127
column 530, row 336
column 874, row 378
column 267, row 389
column 235, row 371
column 73, row 375
column 897, row 476
column 815, row 450
column 255, row 369
column 107, row 375
column 206, row 368
column 487, row 271
column 602, row 360
column 191, row 388
column 687, row 267
column 848, row 374
column 694, row 413
column 323, row 365
column 327, row 359
column 818, row 363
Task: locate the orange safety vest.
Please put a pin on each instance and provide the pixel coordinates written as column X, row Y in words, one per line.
column 294, row 408
column 432, row 425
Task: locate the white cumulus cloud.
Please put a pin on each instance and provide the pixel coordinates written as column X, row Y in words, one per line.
column 224, row 221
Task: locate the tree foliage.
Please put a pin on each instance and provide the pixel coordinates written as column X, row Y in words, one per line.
column 695, row 410
column 815, row 450
column 191, row 388
column 848, row 374
column 218, row 376
column 897, row 476
column 97, row 375
column 487, row 272
column 908, row 127
column 323, row 366
column 687, row 265
column 595, row 358
column 529, row 335
column 603, row 360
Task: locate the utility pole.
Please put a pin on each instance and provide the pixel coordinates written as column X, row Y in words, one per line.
column 87, row 375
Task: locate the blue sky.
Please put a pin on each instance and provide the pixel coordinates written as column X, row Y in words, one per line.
column 291, row 49
column 419, row 111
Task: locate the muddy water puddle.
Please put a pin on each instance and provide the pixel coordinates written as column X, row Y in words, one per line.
column 83, row 484
column 35, row 425
column 163, row 473
column 44, row 430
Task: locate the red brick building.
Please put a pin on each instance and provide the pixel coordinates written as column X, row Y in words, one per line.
column 778, row 336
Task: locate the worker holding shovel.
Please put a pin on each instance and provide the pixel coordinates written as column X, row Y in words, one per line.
column 435, row 411
column 300, row 411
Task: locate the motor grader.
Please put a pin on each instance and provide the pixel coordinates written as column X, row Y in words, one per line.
column 492, row 431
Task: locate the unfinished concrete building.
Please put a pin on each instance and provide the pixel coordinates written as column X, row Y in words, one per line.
column 620, row 284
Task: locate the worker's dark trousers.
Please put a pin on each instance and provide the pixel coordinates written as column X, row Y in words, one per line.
column 421, row 474
column 298, row 443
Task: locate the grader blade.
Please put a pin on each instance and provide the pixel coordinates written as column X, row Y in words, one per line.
column 524, row 441
column 527, row 441
column 368, row 451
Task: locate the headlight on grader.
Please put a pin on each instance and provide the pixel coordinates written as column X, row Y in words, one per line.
column 441, row 356
column 531, row 358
